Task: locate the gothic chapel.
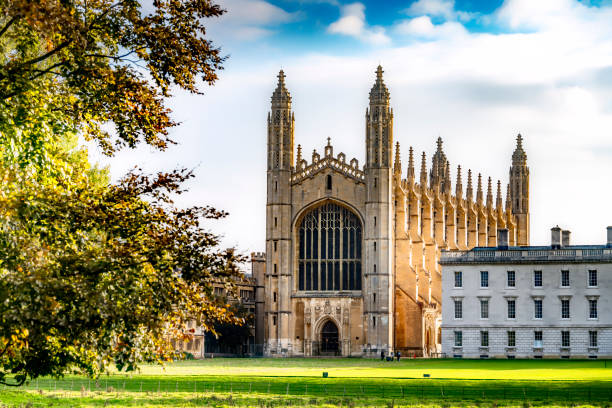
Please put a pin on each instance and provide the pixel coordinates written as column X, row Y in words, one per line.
column 351, row 262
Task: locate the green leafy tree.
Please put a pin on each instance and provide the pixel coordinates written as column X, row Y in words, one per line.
column 107, row 61
column 94, row 274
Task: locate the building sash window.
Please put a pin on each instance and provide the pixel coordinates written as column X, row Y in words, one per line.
column 458, row 308
column 565, row 279
column 484, row 279
column 537, row 308
column 537, row 279
column 511, row 338
column 484, row 308
column 537, row 339
column 511, row 279
column 565, row 308
column 565, row 338
column 458, row 279
column 592, row 278
column 484, row 338
column 592, row 308
column 592, row 339
column 511, row 308
column 458, row 338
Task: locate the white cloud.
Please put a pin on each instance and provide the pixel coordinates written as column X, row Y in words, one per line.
column 424, row 28
column 248, row 20
column 438, row 8
column 255, row 12
column 352, row 22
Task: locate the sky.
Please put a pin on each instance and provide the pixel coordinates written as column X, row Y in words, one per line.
column 473, row 72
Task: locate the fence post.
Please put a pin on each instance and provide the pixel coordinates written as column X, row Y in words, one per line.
column 287, row 388
column 402, row 391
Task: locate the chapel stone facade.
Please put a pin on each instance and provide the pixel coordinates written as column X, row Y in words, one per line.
column 351, row 262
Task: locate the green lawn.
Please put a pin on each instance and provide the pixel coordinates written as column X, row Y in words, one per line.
column 366, row 368
column 351, row 382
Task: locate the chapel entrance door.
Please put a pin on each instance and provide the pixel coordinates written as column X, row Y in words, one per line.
column 329, row 338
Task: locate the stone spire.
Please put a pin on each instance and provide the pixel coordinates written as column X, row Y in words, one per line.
column 470, row 192
column 280, row 128
column 424, row 171
column 479, row 189
column 410, row 174
column 397, row 166
column 281, row 97
column 519, row 191
column 379, row 94
column 447, row 183
column 519, row 157
column 489, row 194
column 438, row 167
column 508, row 199
column 299, row 155
column 459, row 186
column 499, row 202
column 379, row 126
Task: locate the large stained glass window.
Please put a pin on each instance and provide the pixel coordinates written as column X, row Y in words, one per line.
column 329, row 255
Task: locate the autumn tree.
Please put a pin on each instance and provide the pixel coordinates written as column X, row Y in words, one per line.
column 94, row 274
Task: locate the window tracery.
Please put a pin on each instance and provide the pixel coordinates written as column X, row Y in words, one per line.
column 329, row 249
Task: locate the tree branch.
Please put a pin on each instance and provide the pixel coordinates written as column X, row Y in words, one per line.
column 45, row 56
column 7, row 25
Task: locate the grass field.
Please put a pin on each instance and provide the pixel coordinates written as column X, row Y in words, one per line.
column 351, row 382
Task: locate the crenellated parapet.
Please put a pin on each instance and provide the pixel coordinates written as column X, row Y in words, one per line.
column 304, row 170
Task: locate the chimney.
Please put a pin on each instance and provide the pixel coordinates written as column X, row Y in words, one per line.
column 565, row 238
column 502, row 238
column 609, row 244
column 555, row 237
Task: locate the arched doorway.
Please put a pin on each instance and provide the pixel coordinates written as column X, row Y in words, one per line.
column 329, row 338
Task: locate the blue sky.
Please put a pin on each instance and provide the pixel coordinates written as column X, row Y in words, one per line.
column 473, row 72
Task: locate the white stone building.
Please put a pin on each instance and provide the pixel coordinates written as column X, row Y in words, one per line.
column 528, row 302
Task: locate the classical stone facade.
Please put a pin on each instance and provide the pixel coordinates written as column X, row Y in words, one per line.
column 352, row 252
column 528, row 302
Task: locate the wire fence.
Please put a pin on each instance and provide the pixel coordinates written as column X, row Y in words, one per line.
column 567, row 392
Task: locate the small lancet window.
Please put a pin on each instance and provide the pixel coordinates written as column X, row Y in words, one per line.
column 375, row 247
column 276, row 186
column 328, row 182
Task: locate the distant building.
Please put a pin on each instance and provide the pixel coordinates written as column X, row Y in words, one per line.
column 352, row 251
column 249, row 294
column 528, row 302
